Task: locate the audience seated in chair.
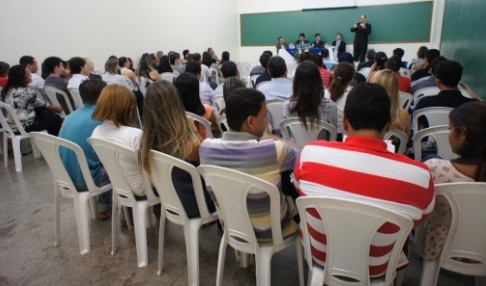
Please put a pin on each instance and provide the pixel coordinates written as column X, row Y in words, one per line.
column 418, row 62
column 228, row 69
column 370, row 59
column 54, row 67
column 206, row 93
column 280, row 87
column 325, row 74
column 393, row 64
column 32, row 66
column 380, row 64
column 125, row 70
column 348, row 58
column 430, row 55
column 229, row 85
column 77, row 67
column 261, row 69
column 399, row 52
column 145, row 69
column 111, row 75
column 429, row 82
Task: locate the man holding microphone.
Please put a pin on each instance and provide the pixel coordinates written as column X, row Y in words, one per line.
column 362, row 30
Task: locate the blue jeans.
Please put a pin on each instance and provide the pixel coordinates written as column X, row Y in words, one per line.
column 105, row 200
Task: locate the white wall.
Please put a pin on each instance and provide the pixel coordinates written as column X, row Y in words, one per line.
column 98, row 29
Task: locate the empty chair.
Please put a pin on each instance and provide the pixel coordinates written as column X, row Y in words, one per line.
column 437, row 134
column 293, row 129
column 402, row 138
column 162, row 166
column 168, row 76
column 348, row 248
column 221, row 121
column 201, row 120
column 435, row 116
column 238, row 229
column 275, row 107
column 15, row 135
column 406, row 100
column 464, row 248
column 52, row 94
column 63, row 186
column 111, row 154
column 427, row 91
column 78, row 101
column 218, row 103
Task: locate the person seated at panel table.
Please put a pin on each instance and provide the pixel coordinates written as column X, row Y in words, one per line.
column 339, row 44
column 301, row 42
column 281, row 44
column 317, row 43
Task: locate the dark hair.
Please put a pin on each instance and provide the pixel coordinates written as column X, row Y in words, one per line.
column 399, row 52
column 241, row 103
column 206, row 59
column 346, row 57
column 471, row 116
column 316, row 34
column 317, row 59
column 17, row 76
column 370, row 55
column 368, row 107
column 339, row 34
column 145, row 65
column 264, row 60
column 196, row 57
column 90, row 89
column 342, row 74
column 307, row 92
column 26, row 60
column 229, row 69
column 431, row 54
column 421, row 52
column 184, row 53
column 267, row 52
column 164, row 65
column 278, row 39
column 393, row 63
column 325, row 53
column 173, row 56
column 188, row 86
column 304, row 56
column 122, row 61
column 193, row 67
column 435, row 62
column 231, row 84
column 380, row 59
column 76, row 64
column 225, row 56
column 301, row 35
column 4, row 67
column 51, row 63
column 276, row 66
column 449, row 73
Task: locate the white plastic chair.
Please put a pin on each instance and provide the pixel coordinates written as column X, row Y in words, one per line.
column 405, row 72
column 439, row 135
column 347, row 248
column 221, row 120
column 162, row 166
column 203, row 121
column 110, row 155
column 293, row 129
column 244, row 68
column 238, row 230
column 365, row 71
column 63, row 186
column 253, row 79
column 52, row 94
column 218, row 103
column 402, row 137
column 275, row 107
column 435, row 116
column 78, row 101
column 15, row 137
column 427, row 91
column 168, row 76
column 406, row 100
column 464, row 249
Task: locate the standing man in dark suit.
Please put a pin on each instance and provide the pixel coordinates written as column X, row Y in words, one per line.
column 317, row 41
column 362, row 30
column 300, row 44
column 281, row 44
column 339, row 44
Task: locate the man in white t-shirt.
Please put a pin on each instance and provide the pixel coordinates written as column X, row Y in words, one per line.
column 280, row 87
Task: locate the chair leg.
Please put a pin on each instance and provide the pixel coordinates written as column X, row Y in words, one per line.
column 81, row 211
column 300, row 261
column 5, row 150
column 93, row 207
column 161, row 243
column 191, row 235
column 17, row 154
column 263, row 264
column 114, row 222
column 221, row 258
column 57, row 230
column 430, row 273
column 244, row 259
column 35, row 149
column 317, row 276
column 139, row 223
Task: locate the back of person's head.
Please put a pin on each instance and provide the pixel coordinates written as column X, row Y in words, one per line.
column 342, row 75
column 122, row 61
column 230, row 84
column 307, row 92
column 276, row 67
column 90, row 89
column 399, row 52
column 431, row 54
column 368, row 107
column 467, row 125
column 4, row 67
column 193, row 67
column 435, row 62
column 304, row 56
column 172, row 58
column 388, row 79
column 164, row 65
column 268, row 53
column 264, row 60
column 17, row 77
column 421, row 52
column 346, row 57
column 159, row 54
column 317, row 59
column 325, row 53
column 207, row 60
column 188, row 86
column 26, row 60
column 449, row 73
column 229, row 69
column 225, row 56
column 116, row 103
column 370, row 55
column 242, row 103
column 111, row 65
column 380, row 60
column 51, row 63
column 76, row 64
column 185, row 53
column 394, row 63
column 196, row 57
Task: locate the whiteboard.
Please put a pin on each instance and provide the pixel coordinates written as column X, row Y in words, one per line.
column 325, row 4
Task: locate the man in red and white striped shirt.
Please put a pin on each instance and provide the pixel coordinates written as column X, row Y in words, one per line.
column 362, row 168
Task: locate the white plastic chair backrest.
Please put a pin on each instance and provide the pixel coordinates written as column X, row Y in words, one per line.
column 244, row 68
column 203, row 121
column 78, row 101
column 402, row 137
column 347, row 248
column 253, row 79
column 6, row 109
column 162, row 166
column 261, row 83
column 439, row 134
column 142, row 84
column 232, row 201
column 435, row 116
column 110, row 155
column 49, row 146
column 275, row 107
column 168, row 76
column 221, row 120
column 215, row 73
column 426, row 91
column 218, row 103
column 406, row 100
column 364, row 71
column 52, row 91
column 405, row 72
column 300, row 135
column 467, row 232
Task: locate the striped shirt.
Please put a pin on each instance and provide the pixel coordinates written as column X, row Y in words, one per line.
column 362, row 168
column 264, row 159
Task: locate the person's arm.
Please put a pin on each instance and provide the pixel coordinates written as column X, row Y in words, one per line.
column 128, row 73
column 367, row 29
column 354, row 27
column 155, row 75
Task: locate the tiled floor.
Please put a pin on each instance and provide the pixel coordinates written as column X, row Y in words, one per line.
column 28, row 255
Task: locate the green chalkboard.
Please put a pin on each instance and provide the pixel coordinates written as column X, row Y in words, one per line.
column 464, row 40
column 390, row 24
